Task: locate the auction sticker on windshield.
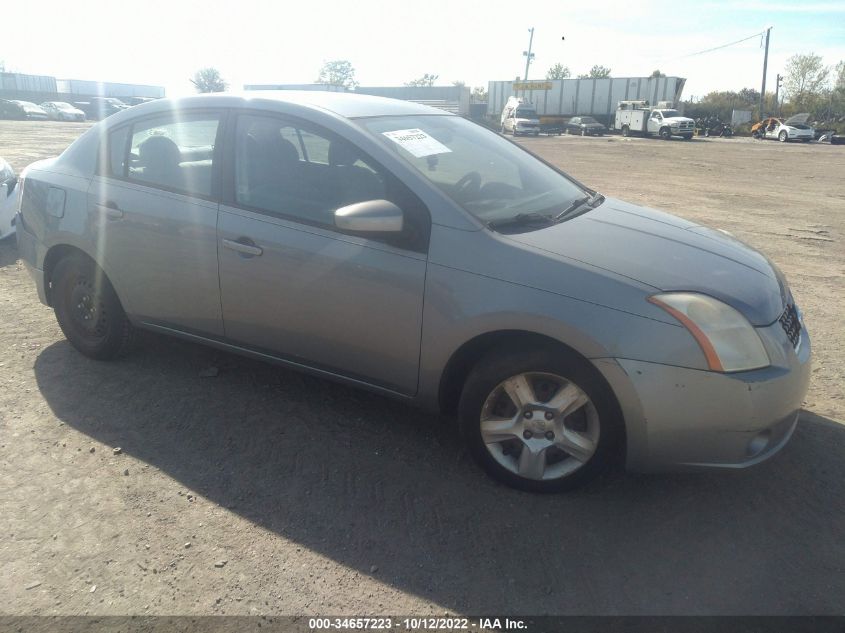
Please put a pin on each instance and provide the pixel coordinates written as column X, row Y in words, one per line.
column 417, row 142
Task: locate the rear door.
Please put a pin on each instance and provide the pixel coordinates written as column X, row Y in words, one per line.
column 155, row 209
column 297, row 288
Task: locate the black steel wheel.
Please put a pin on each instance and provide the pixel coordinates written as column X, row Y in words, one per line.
column 88, row 310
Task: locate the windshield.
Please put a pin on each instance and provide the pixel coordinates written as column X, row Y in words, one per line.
column 25, row 104
column 526, row 113
column 63, row 106
column 490, row 177
column 670, row 113
column 588, row 119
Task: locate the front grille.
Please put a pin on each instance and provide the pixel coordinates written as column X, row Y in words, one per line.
column 791, row 324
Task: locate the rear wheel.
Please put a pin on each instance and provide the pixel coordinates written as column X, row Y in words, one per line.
column 539, row 420
column 626, row 131
column 88, row 310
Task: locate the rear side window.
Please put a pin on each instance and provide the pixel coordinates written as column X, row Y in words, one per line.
column 174, row 152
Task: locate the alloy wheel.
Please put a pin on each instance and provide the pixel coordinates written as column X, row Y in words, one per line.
column 540, row 426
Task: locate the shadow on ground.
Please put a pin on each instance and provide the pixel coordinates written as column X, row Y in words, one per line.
column 359, row 479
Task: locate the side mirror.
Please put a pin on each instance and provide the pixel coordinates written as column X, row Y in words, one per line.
column 372, row 216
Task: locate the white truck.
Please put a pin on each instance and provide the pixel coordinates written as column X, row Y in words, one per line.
column 520, row 117
column 638, row 117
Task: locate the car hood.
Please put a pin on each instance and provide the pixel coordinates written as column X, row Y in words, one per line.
column 591, row 125
column 678, row 119
column 798, row 118
column 668, row 254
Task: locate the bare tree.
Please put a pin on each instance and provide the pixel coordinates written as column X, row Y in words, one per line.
column 426, row 80
column 596, row 72
column 656, row 73
column 209, row 80
column 479, row 94
column 805, row 78
column 338, row 72
column 558, row 71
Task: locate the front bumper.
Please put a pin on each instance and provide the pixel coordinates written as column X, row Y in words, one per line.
column 685, row 419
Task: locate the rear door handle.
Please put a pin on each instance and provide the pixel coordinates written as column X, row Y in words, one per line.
column 243, row 245
column 111, row 210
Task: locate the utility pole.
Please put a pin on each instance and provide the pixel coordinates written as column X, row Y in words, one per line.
column 529, row 56
column 778, row 84
column 765, row 66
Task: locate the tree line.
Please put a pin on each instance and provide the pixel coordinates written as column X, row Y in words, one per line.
column 808, row 86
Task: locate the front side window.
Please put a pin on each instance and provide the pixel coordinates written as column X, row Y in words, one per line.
column 490, row 177
column 284, row 169
column 174, row 151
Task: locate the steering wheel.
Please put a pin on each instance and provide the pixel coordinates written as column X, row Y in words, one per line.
column 469, row 184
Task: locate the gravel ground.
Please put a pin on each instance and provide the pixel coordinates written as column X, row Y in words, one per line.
column 147, row 486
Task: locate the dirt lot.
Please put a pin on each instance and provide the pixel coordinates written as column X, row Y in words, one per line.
column 264, row 491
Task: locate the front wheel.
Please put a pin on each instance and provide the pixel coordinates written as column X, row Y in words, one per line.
column 783, row 137
column 88, row 310
column 665, row 134
column 539, row 420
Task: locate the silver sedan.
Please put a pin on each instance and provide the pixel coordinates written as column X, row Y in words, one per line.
column 411, row 252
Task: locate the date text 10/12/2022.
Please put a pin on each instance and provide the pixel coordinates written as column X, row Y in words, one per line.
column 418, row 624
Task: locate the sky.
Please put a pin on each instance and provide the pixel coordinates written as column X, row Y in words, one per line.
column 391, row 42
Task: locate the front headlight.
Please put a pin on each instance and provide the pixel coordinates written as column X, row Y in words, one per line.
column 728, row 340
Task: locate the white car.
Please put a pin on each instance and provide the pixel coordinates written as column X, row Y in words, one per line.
column 8, row 198
column 62, row 111
column 793, row 129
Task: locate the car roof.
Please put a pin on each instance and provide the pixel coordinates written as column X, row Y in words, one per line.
column 346, row 104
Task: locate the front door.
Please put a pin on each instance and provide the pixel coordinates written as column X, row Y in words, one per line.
column 293, row 285
column 157, row 220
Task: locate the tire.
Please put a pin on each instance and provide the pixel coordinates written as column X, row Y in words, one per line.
column 583, row 132
column 88, row 309
column 783, row 137
column 593, row 430
column 706, row 132
column 665, row 134
column 626, row 131
column 687, row 137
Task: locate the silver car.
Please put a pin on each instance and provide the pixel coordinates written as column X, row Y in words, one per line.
column 411, row 252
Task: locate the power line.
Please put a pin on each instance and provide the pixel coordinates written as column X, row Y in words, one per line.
column 716, row 48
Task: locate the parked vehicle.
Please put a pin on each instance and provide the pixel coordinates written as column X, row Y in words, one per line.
column 15, row 109
column 403, row 249
column 637, row 117
column 99, row 108
column 712, row 126
column 8, row 197
column 133, row 101
column 520, row 117
column 585, row 126
column 61, row 111
column 794, row 128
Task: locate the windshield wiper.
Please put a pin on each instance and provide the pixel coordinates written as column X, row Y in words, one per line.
column 591, row 202
column 521, row 219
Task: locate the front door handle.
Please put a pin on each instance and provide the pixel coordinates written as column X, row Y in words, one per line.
column 111, row 210
column 243, row 245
